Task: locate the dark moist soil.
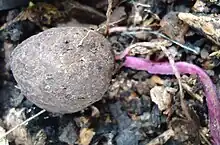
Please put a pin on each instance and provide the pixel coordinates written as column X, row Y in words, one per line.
column 126, row 115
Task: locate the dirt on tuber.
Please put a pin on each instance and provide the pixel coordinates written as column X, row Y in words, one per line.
column 63, row 70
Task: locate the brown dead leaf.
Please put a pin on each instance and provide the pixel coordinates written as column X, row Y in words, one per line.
column 85, row 136
column 208, row 25
column 208, row 28
column 156, row 80
column 161, row 96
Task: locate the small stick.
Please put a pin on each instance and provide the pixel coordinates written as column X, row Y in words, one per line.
column 177, row 75
column 81, row 42
column 108, row 15
column 187, row 88
column 204, row 137
column 123, row 29
column 163, row 138
column 26, row 121
column 148, row 30
column 140, row 4
column 196, row 51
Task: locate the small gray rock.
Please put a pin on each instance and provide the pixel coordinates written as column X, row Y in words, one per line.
column 204, row 54
column 68, row 134
column 63, row 70
column 121, row 117
column 127, row 137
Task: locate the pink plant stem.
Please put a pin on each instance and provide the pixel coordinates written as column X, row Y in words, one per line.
column 185, row 68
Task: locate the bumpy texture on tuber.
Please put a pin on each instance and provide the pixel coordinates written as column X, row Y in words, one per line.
column 59, row 72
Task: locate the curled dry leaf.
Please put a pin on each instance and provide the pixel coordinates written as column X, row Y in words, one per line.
column 208, row 25
column 161, row 96
column 156, row 80
column 86, row 136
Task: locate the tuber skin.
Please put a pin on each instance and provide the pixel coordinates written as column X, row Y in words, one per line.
column 185, row 68
column 63, row 70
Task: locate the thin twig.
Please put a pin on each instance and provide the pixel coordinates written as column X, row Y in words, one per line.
column 187, row 88
column 23, row 123
column 133, row 30
column 205, row 138
column 196, row 51
column 140, row 4
column 108, row 15
column 177, row 74
column 163, row 138
column 81, row 42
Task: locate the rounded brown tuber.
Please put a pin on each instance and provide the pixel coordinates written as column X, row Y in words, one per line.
column 63, row 70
